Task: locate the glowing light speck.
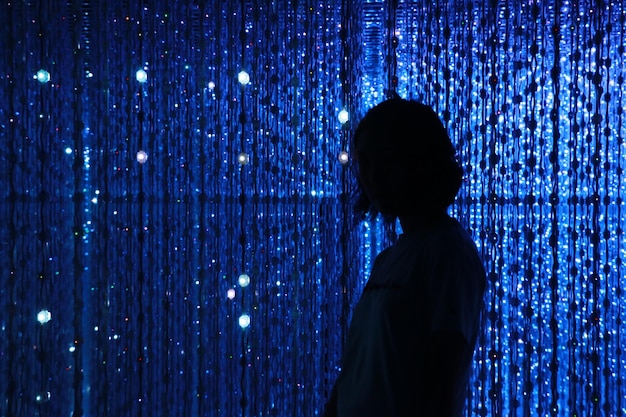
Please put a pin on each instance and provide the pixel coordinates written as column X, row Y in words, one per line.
column 343, row 116
column 243, row 158
column 244, row 321
column 243, row 78
column 243, row 280
column 44, row 316
column 142, row 76
column 142, row 157
column 42, row 76
column 343, row 157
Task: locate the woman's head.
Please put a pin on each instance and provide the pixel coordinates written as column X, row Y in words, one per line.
column 405, row 161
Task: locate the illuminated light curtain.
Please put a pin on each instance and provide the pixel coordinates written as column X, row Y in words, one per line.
column 178, row 237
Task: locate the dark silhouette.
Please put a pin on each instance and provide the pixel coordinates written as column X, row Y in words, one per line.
column 413, row 332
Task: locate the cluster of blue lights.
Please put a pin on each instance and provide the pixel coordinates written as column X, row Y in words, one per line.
column 176, row 183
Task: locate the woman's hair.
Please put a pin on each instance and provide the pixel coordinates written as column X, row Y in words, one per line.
column 416, row 129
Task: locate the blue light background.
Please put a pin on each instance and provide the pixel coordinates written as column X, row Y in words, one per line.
column 135, row 261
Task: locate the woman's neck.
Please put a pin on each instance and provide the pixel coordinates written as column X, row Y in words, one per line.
column 422, row 220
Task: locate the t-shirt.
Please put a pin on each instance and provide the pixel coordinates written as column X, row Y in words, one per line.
column 430, row 281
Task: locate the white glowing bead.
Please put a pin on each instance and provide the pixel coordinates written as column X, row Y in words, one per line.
column 243, row 77
column 243, row 158
column 343, row 116
column 142, row 157
column 211, row 85
column 244, row 280
column 344, row 157
column 43, row 76
column 72, row 349
column 44, row 316
column 68, row 150
column 230, row 293
column 244, row 321
column 142, row 76
column 42, row 398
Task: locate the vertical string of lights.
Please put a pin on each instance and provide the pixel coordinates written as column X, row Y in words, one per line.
column 295, row 207
column 194, row 89
column 596, row 155
column 173, row 129
column 139, row 354
column 445, row 92
column 157, row 351
column 42, row 207
column 204, row 390
column 78, row 199
column 243, row 159
column 227, row 206
column 391, row 58
column 529, row 282
column 508, row 198
column 541, row 126
column 224, row 189
column 103, row 250
column 553, row 201
column 348, row 271
column 263, row 156
column 19, row 120
column 274, row 202
column 255, row 185
column 514, row 272
column 14, row 327
column 587, row 223
column 161, row 216
column 471, row 206
column 573, row 288
column 610, row 312
column 618, row 89
column 409, row 47
column 186, row 213
column 603, row 127
column 591, row 222
column 344, row 198
column 491, row 186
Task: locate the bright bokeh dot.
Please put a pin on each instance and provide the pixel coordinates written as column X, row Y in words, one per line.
column 142, row 157
column 244, row 280
column 230, row 293
column 44, row 316
column 344, row 157
column 343, row 116
column 43, row 76
column 142, row 76
column 43, row 397
column 243, row 158
column 244, row 321
column 68, row 150
column 243, row 78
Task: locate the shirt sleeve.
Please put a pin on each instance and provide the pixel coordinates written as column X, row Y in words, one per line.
column 456, row 287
